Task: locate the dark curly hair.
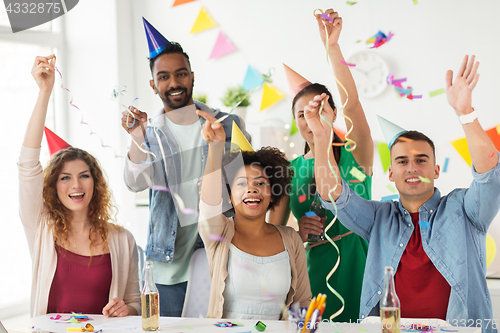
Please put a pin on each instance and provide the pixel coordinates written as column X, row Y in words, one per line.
column 274, row 163
column 101, row 208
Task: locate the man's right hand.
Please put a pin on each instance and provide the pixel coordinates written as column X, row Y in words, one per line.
column 134, row 121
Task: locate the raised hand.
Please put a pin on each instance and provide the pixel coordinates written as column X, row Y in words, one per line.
column 134, row 122
column 43, row 72
column 459, row 92
column 332, row 28
column 318, row 126
column 211, row 130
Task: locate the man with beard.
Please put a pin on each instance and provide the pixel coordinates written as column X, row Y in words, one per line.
column 168, row 157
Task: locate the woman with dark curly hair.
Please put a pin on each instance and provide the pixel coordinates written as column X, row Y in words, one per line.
column 258, row 269
column 81, row 261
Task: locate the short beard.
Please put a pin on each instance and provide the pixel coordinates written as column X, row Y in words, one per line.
column 166, row 101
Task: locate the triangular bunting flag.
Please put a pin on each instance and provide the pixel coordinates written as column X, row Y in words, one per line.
column 181, row 2
column 270, row 95
column 203, row 22
column 222, row 46
column 463, row 149
column 239, row 139
column 252, row 79
column 385, row 155
column 294, row 128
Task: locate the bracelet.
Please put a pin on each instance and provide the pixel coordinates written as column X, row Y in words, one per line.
column 468, row 118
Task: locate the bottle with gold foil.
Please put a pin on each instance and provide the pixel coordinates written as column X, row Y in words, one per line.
column 390, row 308
column 150, row 301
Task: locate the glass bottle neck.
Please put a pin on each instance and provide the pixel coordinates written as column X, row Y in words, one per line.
column 149, row 280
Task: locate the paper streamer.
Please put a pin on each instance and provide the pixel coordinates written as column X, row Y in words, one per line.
column 437, row 92
column 217, row 238
column 352, row 145
column 390, row 197
column 347, row 64
column 445, row 167
column 357, row 174
column 81, row 117
column 391, row 188
column 115, row 94
column 177, row 197
column 379, row 39
column 400, row 90
column 423, row 179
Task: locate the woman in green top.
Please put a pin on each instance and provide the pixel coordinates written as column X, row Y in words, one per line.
column 321, row 257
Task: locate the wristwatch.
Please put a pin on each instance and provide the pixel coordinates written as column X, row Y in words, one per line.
column 468, row 118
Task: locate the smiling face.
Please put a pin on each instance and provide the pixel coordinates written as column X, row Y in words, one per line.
column 300, row 121
column 173, row 80
column 251, row 192
column 75, row 186
column 411, row 162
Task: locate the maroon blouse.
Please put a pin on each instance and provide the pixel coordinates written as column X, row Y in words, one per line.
column 80, row 284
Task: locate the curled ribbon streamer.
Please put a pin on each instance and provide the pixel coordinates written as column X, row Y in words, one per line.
column 337, row 263
column 350, row 145
column 267, row 77
column 145, row 151
column 81, row 117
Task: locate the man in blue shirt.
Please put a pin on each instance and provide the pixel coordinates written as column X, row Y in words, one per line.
column 450, row 230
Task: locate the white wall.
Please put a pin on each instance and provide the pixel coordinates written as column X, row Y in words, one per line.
column 106, row 46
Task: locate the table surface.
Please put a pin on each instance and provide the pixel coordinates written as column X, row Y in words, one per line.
column 43, row 324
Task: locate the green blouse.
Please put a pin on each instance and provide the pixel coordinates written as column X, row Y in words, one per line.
column 347, row 279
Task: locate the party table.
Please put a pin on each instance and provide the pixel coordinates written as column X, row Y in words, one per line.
column 44, row 324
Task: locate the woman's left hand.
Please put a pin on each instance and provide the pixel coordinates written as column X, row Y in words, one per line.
column 115, row 308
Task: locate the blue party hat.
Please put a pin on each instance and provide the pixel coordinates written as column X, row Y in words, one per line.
column 156, row 41
column 391, row 131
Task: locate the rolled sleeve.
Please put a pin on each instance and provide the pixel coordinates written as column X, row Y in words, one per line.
column 136, row 174
column 488, row 175
column 341, row 201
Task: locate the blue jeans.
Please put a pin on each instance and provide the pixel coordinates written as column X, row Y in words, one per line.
column 172, row 299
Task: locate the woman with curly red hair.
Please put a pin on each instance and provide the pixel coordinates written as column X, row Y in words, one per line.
column 81, row 261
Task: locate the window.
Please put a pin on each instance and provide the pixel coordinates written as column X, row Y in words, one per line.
column 18, row 93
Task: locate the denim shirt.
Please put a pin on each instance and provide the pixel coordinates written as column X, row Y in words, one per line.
column 453, row 229
column 166, row 172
